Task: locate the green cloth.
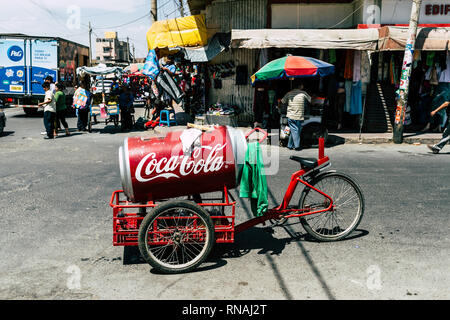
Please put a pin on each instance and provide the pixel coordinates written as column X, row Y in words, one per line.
column 253, row 181
column 332, row 56
column 430, row 58
column 60, row 99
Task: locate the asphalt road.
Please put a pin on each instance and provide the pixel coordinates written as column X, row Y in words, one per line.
column 56, row 228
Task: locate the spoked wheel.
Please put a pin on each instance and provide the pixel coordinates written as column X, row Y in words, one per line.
column 347, row 210
column 176, row 237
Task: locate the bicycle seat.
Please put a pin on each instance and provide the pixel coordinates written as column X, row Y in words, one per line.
column 307, row 163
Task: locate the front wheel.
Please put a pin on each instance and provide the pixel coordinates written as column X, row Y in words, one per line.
column 176, row 236
column 343, row 217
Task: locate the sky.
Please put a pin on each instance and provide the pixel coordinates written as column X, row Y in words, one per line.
column 69, row 19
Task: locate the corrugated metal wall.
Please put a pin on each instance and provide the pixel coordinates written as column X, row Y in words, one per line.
column 222, row 16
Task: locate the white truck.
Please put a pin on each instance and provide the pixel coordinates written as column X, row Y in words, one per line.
column 26, row 61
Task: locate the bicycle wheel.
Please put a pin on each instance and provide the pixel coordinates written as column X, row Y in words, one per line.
column 346, row 214
column 176, row 237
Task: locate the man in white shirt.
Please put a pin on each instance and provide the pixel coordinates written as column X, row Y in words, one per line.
column 49, row 111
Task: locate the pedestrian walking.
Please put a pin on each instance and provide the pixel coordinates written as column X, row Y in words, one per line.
column 49, row 111
column 61, row 109
column 49, row 80
column 82, row 102
column 126, row 100
column 446, row 134
column 296, row 101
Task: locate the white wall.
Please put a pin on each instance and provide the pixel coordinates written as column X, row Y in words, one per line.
column 310, row 16
column 399, row 12
column 347, row 15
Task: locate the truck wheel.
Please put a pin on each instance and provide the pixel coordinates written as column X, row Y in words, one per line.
column 30, row 111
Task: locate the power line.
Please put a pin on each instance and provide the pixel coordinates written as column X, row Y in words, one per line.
column 125, row 24
column 351, row 14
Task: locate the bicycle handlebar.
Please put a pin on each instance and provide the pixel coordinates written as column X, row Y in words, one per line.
column 260, row 130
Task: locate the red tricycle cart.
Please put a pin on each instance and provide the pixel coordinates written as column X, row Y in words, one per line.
column 176, row 235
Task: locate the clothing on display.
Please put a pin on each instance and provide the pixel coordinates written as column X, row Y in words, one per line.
column 348, row 71
column 356, row 98
column 348, row 95
column 357, row 66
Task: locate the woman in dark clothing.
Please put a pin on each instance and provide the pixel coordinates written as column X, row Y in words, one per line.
column 126, row 100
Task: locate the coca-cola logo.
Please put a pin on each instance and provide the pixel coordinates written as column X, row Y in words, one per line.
column 150, row 167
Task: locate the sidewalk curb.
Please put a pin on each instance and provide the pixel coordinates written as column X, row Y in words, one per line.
column 345, row 138
column 382, row 140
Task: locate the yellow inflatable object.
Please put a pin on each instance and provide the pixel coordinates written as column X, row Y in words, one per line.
column 183, row 32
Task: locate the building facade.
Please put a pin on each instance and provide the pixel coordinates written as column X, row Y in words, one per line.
column 380, row 66
column 111, row 50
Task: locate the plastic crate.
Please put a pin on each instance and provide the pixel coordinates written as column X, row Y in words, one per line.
column 128, row 216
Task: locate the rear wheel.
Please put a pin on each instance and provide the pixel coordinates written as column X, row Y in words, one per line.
column 347, row 211
column 176, row 236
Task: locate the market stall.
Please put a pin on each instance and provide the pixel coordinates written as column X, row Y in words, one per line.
column 104, row 105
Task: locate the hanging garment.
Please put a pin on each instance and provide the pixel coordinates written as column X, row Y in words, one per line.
column 357, row 66
column 151, row 66
column 348, row 95
column 356, row 98
column 167, row 83
column 348, row 72
column 430, row 58
column 263, row 57
column 332, row 56
column 365, row 67
column 434, row 77
column 445, row 74
column 253, row 181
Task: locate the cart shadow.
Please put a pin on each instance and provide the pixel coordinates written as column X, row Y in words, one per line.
column 263, row 240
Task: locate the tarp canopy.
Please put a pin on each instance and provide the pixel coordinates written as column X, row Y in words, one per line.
column 431, row 39
column 218, row 43
column 99, row 70
column 134, row 68
column 358, row 39
column 180, row 32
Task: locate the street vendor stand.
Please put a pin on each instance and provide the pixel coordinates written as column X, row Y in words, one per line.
column 290, row 67
column 110, row 112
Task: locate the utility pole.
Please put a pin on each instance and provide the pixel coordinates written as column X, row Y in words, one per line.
column 128, row 49
column 134, row 54
column 402, row 99
column 181, row 7
column 90, row 45
column 153, row 11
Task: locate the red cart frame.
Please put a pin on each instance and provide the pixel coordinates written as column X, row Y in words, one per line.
column 128, row 216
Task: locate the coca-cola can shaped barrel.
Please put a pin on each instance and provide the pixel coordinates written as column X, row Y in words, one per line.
column 184, row 162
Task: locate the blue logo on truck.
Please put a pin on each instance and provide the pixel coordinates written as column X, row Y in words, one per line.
column 15, row 53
